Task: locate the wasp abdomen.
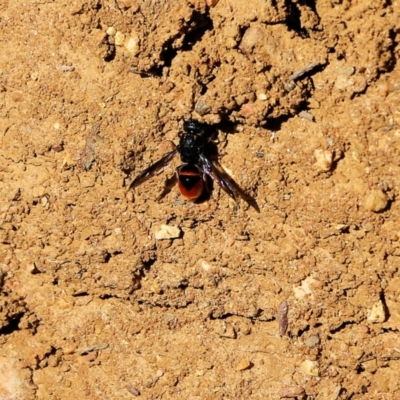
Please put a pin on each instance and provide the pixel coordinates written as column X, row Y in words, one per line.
column 190, row 181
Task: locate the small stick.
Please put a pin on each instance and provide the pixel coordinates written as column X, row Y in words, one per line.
column 304, row 70
column 88, row 349
column 282, row 316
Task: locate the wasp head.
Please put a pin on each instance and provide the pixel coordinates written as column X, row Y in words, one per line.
column 193, row 127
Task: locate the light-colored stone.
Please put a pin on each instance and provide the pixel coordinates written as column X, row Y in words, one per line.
column 243, row 365
column 132, row 44
column 376, row 201
column 119, row 39
column 324, row 160
column 111, row 31
column 310, row 367
column 377, row 313
column 168, row 232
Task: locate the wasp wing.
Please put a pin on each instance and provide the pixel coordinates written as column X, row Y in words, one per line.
column 154, row 169
column 219, row 175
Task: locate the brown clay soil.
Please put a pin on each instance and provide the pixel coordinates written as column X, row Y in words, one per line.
column 99, row 300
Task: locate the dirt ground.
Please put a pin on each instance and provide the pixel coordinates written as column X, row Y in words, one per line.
column 106, row 293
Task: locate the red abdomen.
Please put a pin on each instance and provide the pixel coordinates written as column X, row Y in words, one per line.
column 190, row 181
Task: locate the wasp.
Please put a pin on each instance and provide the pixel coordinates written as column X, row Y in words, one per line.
column 197, row 166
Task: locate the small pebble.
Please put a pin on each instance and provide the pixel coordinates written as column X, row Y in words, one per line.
column 201, row 107
column 312, row 341
column 212, row 3
column 247, row 109
column 119, row 39
column 291, row 392
column 168, row 232
column 69, row 349
column 68, row 161
column 228, row 331
column 92, row 355
column 262, row 96
column 347, row 71
column 306, row 115
column 344, row 80
column 290, row 85
column 133, row 390
column 377, row 313
column 159, row 373
column 155, row 288
column 324, row 160
column 336, row 393
column 253, row 36
column 132, row 44
column 111, row 31
column 376, row 201
column 200, row 372
column 130, row 197
column 310, row 367
column 243, row 365
column 367, row 226
column 230, row 43
column 206, row 266
column 304, row 290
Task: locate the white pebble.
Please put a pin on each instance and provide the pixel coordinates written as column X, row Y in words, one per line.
column 119, row 39
column 167, row 232
column 305, row 290
column 132, row 45
column 262, row 96
column 205, row 265
column 324, row 159
column 377, row 313
column 310, row 367
column 111, row 31
column 376, row 201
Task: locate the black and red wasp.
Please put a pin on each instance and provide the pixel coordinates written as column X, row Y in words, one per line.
column 197, row 165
